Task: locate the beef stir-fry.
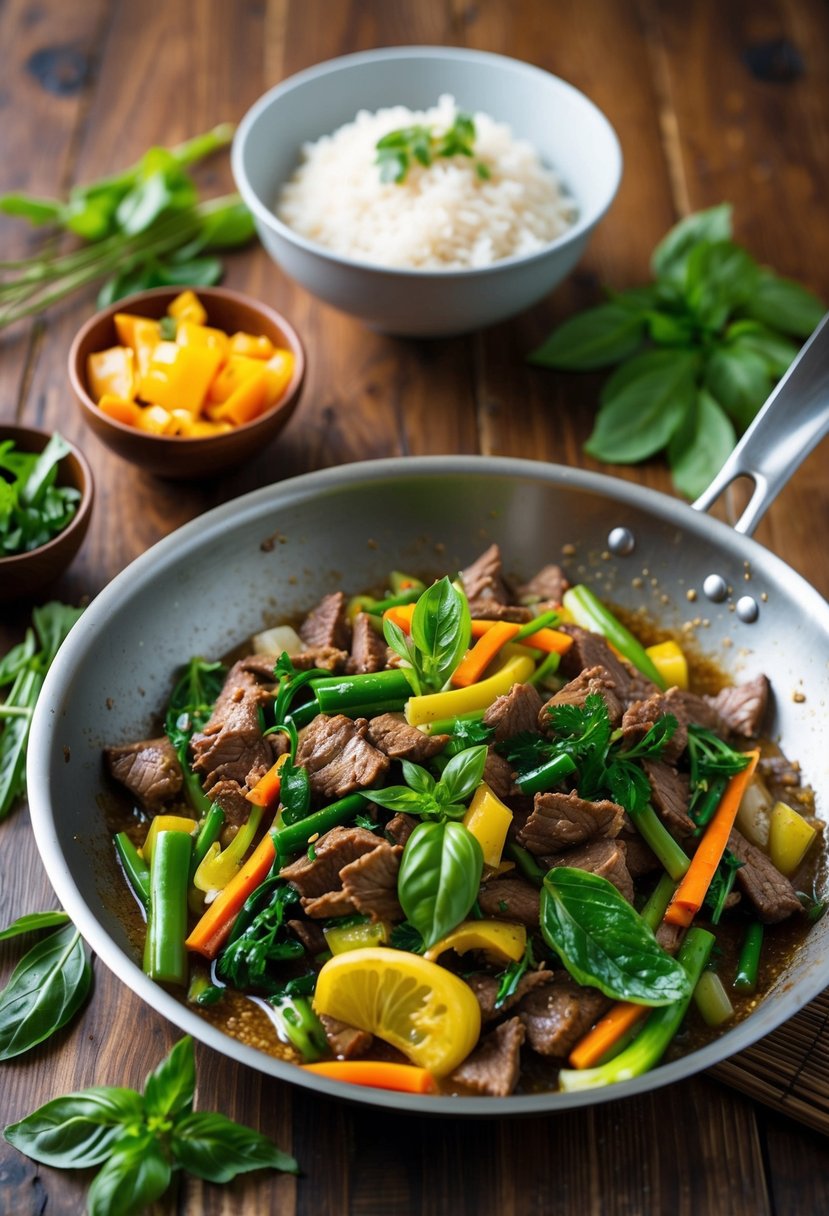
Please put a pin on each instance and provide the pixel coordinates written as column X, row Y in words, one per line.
column 464, row 836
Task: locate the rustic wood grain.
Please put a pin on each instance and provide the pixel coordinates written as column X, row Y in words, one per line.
column 696, row 127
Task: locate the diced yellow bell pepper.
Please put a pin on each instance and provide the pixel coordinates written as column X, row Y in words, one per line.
column 670, row 662
column 220, row 865
column 502, row 941
column 790, row 838
column 232, row 376
column 189, row 333
column 165, row 823
column 244, row 403
column 119, row 409
column 154, row 419
column 112, row 372
column 341, row 938
column 251, row 346
column 203, row 428
column 488, row 820
column 178, row 376
column 433, row 706
column 280, row 368
column 187, row 307
column 141, row 334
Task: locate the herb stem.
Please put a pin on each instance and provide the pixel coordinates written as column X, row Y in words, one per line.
column 653, row 831
column 748, row 964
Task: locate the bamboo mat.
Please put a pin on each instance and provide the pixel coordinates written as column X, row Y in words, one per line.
column 789, row 1069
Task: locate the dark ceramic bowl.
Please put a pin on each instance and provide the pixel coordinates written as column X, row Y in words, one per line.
column 180, row 456
column 25, row 573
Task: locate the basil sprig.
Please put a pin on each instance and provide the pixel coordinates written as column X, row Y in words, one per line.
column 46, row 988
column 698, row 350
column 440, row 632
column 141, row 1140
column 604, row 943
column 400, row 149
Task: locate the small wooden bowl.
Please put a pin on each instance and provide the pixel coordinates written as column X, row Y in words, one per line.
column 23, row 574
column 179, row 456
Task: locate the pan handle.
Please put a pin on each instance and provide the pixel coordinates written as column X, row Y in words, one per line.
column 793, row 420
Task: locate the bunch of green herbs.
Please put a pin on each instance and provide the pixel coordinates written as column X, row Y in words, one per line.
column 698, row 351
column 400, row 149
column 33, row 507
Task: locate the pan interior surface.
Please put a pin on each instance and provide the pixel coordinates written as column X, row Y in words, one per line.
column 269, row 556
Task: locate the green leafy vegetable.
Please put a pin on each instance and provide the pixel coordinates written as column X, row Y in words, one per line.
column 188, row 711
column 397, row 151
column 440, row 632
column 439, row 876
column 140, row 1141
column 46, row 989
column 24, row 669
column 144, row 227
column 604, row 943
column 712, row 762
column 698, row 351
column 259, row 938
column 33, row 922
column 513, row 974
column 431, row 799
column 33, row 508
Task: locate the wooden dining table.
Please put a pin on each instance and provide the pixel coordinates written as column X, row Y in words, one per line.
column 713, row 102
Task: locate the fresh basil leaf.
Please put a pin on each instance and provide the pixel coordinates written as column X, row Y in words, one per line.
column 401, row 798
column 670, row 255
column 701, row 446
column 440, row 630
column 417, row 778
column 647, row 408
column 144, row 204
column 15, row 660
column 439, row 876
column 670, row 329
column 738, row 379
column 197, row 272
column 636, row 299
column 719, row 277
column 784, row 305
column 46, row 989
column 225, row 228
column 604, row 943
column 136, row 1174
column 33, row 922
column 52, row 623
column 464, row 773
column 78, row 1129
column 170, row 1087
column 776, row 351
column 35, row 210
column 595, row 338
column 215, row 1148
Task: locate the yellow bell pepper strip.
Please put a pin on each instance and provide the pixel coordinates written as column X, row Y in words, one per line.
column 428, row 708
column 670, row 662
column 155, row 420
column 166, row 823
column 220, row 865
column 252, row 347
column 691, row 892
column 266, row 791
column 165, row 958
column 341, row 938
column 191, row 334
column 178, row 377
column 588, row 611
column 120, row 409
column 236, row 371
column 377, row 1074
column 245, row 403
column 141, row 334
column 212, row 931
column 488, row 820
column 501, row 940
column 475, row 662
column 111, row 371
column 278, row 369
column 187, row 307
column 790, row 838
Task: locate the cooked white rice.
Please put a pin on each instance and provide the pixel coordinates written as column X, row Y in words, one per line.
column 442, row 217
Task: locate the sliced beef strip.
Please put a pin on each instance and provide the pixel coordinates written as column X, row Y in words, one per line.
column 486, row 988
column 338, row 757
column 368, row 649
column 231, row 744
column 261, row 666
column 642, row 715
column 328, row 906
column 670, row 936
column 488, row 595
column 310, row 935
column 743, row 706
column 591, row 650
column 327, row 624
column 498, row 775
column 370, row 882
column 510, row 899
column 559, row 1014
column 400, row 827
column 230, row 796
column 603, row 857
column 333, row 851
column 545, row 589
column 514, row 712
column 770, row 892
column 149, row 770
column 640, row 858
column 393, row 736
column 327, row 658
column 493, row 1067
column 700, row 711
column 671, row 795
column 561, row 821
column 346, row 1042
column 593, row 681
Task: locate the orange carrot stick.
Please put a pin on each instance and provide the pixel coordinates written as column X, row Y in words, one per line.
column 211, row 932
column 376, row 1073
column 590, row 1050
column 475, row 662
column 553, row 641
column 401, row 616
column 690, row 894
column 266, row 790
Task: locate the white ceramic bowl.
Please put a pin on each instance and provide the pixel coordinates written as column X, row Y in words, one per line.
column 570, row 133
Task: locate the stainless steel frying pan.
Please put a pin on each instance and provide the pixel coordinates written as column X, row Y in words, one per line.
column 268, row 556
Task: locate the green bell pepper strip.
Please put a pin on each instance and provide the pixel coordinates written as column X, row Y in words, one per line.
column 650, row 1044
column 587, row 610
column 295, row 838
column 165, row 956
column 135, row 868
column 546, row 775
column 748, row 963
